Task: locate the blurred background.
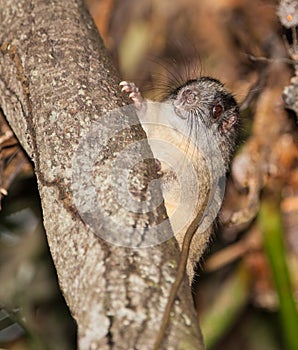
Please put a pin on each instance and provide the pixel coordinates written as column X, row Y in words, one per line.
column 248, row 289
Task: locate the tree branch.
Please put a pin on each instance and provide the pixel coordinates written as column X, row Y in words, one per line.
column 56, row 85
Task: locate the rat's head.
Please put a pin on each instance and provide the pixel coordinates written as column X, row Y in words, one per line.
column 205, row 101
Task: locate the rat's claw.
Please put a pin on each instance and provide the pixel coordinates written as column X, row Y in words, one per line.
column 125, row 88
column 134, row 93
column 128, row 86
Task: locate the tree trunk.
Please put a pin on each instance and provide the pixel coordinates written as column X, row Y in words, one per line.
column 57, row 83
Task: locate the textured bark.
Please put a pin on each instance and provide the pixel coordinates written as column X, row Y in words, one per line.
column 55, row 80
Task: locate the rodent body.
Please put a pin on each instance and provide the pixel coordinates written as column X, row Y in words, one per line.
column 199, row 106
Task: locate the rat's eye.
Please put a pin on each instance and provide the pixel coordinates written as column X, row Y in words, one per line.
column 216, row 111
column 189, row 96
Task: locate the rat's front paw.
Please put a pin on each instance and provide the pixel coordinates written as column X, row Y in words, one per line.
column 133, row 91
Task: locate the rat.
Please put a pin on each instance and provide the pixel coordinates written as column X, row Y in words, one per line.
column 202, row 103
column 198, row 106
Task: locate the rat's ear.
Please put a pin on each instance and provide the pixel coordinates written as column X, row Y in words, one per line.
column 227, row 124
